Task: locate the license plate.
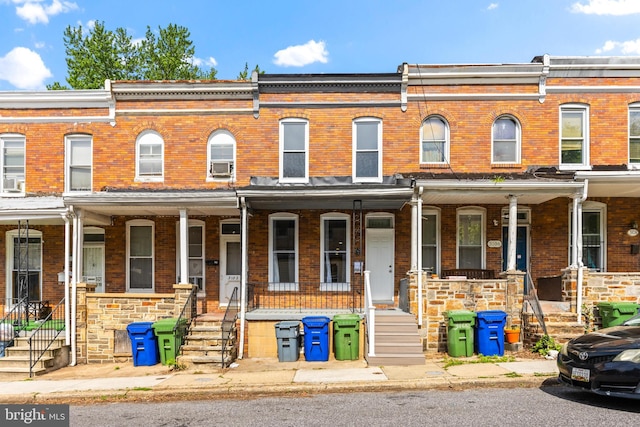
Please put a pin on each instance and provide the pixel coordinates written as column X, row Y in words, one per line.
column 579, row 374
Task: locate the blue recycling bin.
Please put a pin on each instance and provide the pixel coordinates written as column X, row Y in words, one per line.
column 316, row 338
column 144, row 345
column 490, row 332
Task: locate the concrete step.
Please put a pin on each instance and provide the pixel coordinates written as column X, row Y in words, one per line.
column 396, row 359
column 20, row 362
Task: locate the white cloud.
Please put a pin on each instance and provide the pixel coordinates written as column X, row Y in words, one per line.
column 492, row 6
column 629, row 47
column 35, row 11
column 301, row 55
column 607, row 7
column 24, row 69
column 199, row 62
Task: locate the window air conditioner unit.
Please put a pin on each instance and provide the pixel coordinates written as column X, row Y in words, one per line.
column 221, row 168
column 12, row 184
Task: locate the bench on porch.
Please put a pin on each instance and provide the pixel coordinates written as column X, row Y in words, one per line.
column 469, row 273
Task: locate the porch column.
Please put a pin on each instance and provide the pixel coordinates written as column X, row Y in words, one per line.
column 184, row 246
column 244, row 234
column 576, row 237
column 67, row 254
column 415, row 221
column 513, row 232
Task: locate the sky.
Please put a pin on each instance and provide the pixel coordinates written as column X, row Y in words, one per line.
column 326, row 36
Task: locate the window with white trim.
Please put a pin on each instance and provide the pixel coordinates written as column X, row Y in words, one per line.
column 505, row 140
column 634, row 135
column 471, row 238
column 195, row 254
column 149, row 156
column 334, row 249
column 431, row 240
column 434, row 147
column 79, row 161
column 24, row 265
column 593, row 235
column 140, row 255
column 367, row 150
column 283, row 252
column 13, row 163
column 574, row 137
column 93, row 257
column 294, row 148
column 222, row 155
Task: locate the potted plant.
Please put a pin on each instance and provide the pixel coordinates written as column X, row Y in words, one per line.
column 512, row 334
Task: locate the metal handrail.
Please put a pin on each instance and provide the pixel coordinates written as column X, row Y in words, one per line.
column 15, row 316
column 228, row 323
column 531, row 297
column 189, row 308
column 370, row 313
column 42, row 336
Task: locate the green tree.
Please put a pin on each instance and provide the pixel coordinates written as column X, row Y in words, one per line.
column 99, row 54
column 245, row 75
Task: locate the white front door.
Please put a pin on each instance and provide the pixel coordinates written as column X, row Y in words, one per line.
column 93, row 265
column 379, row 261
column 230, row 266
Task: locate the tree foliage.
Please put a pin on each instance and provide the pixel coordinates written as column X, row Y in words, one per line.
column 245, row 75
column 99, row 54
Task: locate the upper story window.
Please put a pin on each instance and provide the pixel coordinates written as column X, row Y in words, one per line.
column 574, row 137
column 634, row 135
column 13, row 163
column 435, row 141
column 222, row 155
column 367, row 150
column 294, row 146
column 78, row 160
column 149, row 157
column 471, row 237
column 505, row 140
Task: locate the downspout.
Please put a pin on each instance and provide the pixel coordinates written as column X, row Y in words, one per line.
column 580, row 263
column 243, row 277
column 67, row 252
column 419, row 257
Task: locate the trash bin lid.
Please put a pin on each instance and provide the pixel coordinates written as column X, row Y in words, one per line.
column 492, row 316
column 287, row 324
column 461, row 315
column 167, row 325
column 346, row 319
column 625, row 307
column 315, row 320
column 139, row 327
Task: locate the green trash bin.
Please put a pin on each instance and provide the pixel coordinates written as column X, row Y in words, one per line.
column 460, row 333
column 615, row 313
column 346, row 336
column 169, row 339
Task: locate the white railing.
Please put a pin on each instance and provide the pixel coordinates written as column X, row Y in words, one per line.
column 370, row 312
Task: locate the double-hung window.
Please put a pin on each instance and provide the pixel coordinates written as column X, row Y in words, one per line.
column 593, row 235
column 149, row 157
column 24, row 264
column 505, row 141
column 195, row 253
column 634, row 135
column 78, row 163
column 471, row 238
column 294, row 147
column 367, row 150
column 13, row 163
column 435, row 141
column 140, row 255
column 222, row 152
column 430, row 240
column 334, row 248
column 283, row 249
column 574, row 137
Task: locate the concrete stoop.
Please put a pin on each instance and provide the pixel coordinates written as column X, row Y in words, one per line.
column 562, row 326
column 16, row 361
column 397, row 342
column 203, row 344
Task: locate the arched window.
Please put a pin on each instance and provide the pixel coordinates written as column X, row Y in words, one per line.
column 221, row 155
column 149, row 156
column 505, row 140
column 434, row 146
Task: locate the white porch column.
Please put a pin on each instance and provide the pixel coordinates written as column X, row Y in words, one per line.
column 576, row 227
column 419, row 254
column 415, row 220
column 513, row 233
column 244, row 232
column 66, row 269
column 184, row 246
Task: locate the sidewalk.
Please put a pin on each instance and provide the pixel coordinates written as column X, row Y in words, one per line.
column 124, row 382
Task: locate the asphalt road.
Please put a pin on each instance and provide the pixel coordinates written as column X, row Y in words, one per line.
column 553, row 405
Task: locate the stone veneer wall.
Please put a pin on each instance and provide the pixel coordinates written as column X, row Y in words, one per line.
column 101, row 316
column 442, row 295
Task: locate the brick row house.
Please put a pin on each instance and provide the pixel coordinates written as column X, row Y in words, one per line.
column 433, row 188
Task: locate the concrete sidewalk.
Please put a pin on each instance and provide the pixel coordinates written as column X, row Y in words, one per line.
column 268, row 376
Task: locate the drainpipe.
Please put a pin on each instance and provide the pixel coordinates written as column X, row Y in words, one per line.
column 579, row 254
column 243, row 277
column 184, row 245
column 67, row 252
column 74, row 288
column 419, row 253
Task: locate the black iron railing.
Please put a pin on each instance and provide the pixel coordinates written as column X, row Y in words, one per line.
column 183, row 323
column 229, row 326
column 42, row 333
column 305, row 296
